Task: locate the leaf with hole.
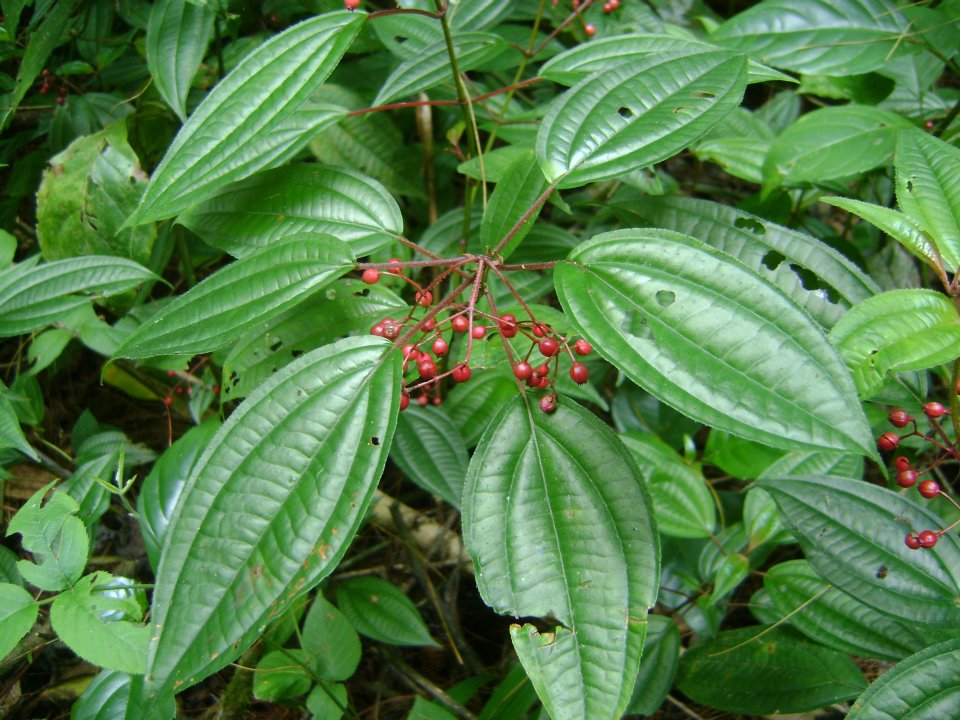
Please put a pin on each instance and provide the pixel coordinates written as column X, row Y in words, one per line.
column 713, row 339
column 549, row 539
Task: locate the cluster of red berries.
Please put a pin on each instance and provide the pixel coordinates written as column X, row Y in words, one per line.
column 185, row 385
column 610, row 6
column 46, row 85
column 907, row 476
column 427, row 348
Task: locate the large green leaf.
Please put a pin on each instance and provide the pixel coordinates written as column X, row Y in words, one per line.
column 432, row 65
column 32, row 295
column 817, row 277
column 430, row 450
column 18, row 612
column 894, row 332
column 240, row 296
column 522, row 184
column 234, row 131
column 558, row 525
column 833, row 618
column 114, row 695
column 852, row 533
column 473, row 405
column 177, row 38
column 830, row 37
column 922, row 686
column 661, row 658
column 636, row 114
column 928, row 189
column 758, row 671
column 295, row 199
column 713, row 339
column 271, row 506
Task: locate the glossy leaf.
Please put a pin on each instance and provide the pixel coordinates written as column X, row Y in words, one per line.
column 473, row 405
column 331, row 641
column 895, row 224
column 894, row 332
column 778, row 671
column 271, row 506
column 77, row 614
column 512, row 698
column 247, row 215
column 432, row 66
column 549, row 539
column 177, row 38
column 55, row 536
column 818, row 278
column 233, row 133
column 922, row 686
column 928, row 189
column 523, row 183
column 281, row 675
column 32, row 296
column 761, row 518
column 18, row 613
column 478, row 14
column 682, row 503
column 241, row 296
column 114, row 695
column 833, row 618
column 816, row 463
column 382, row 612
column 830, row 37
column 850, row 529
column 429, row 449
column 661, row 658
column 636, row 114
column 741, row 157
column 744, row 459
column 713, row 339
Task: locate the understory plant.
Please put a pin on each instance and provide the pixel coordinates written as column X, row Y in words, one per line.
column 635, row 323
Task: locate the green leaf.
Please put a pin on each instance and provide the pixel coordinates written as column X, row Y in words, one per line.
column 322, row 706
column 473, row 405
column 816, row 463
column 430, row 450
column 77, row 614
column 431, row 66
column 162, row 487
column 757, row 673
column 271, row 506
column 549, row 539
column 894, row 332
column 922, row 686
column 817, row 277
column 928, row 189
column 512, row 698
column 741, row 458
column 850, row 529
column 479, row 14
column 832, row 143
column 247, row 215
column 636, row 114
column 32, row 296
column 234, row 131
column 741, row 157
column 761, row 518
column 382, row 612
column 18, row 613
column 55, row 536
column 241, row 296
column 11, row 436
column 830, row 37
column 833, row 618
column 115, row 695
column 177, row 38
column 661, row 658
column 522, row 184
column 344, row 307
column 331, row 641
column 281, row 675
column 572, row 66
column 895, row 224
column 713, row 339
column 682, row 503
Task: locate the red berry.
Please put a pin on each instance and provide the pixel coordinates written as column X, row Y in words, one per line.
column 901, row 463
column 929, row 489
column 548, row 403
column 461, row 373
column 168, row 400
column 928, row 538
column 934, row 410
column 370, row 276
column 391, row 330
column 45, row 88
column 544, row 369
column 899, row 418
column 61, row 100
column 438, row 400
column 508, row 325
column 424, row 357
column 409, row 351
column 539, row 329
column 522, row 370
column 424, row 298
column 478, row 332
column 460, row 324
column 440, row 346
column 429, row 325
column 377, row 330
column 544, row 382
column 404, row 401
column 63, row 90
column 906, row 478
column 582, row 347
column 427, row 369
column 215, row 389
column 928, row 124
column 423, row 400
column 394, row 271
column 590, row 30
column 351, row 4
column 912, row 541
column 888, row 441
column 549, row 347
column 579, row 373
column 534, row 379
